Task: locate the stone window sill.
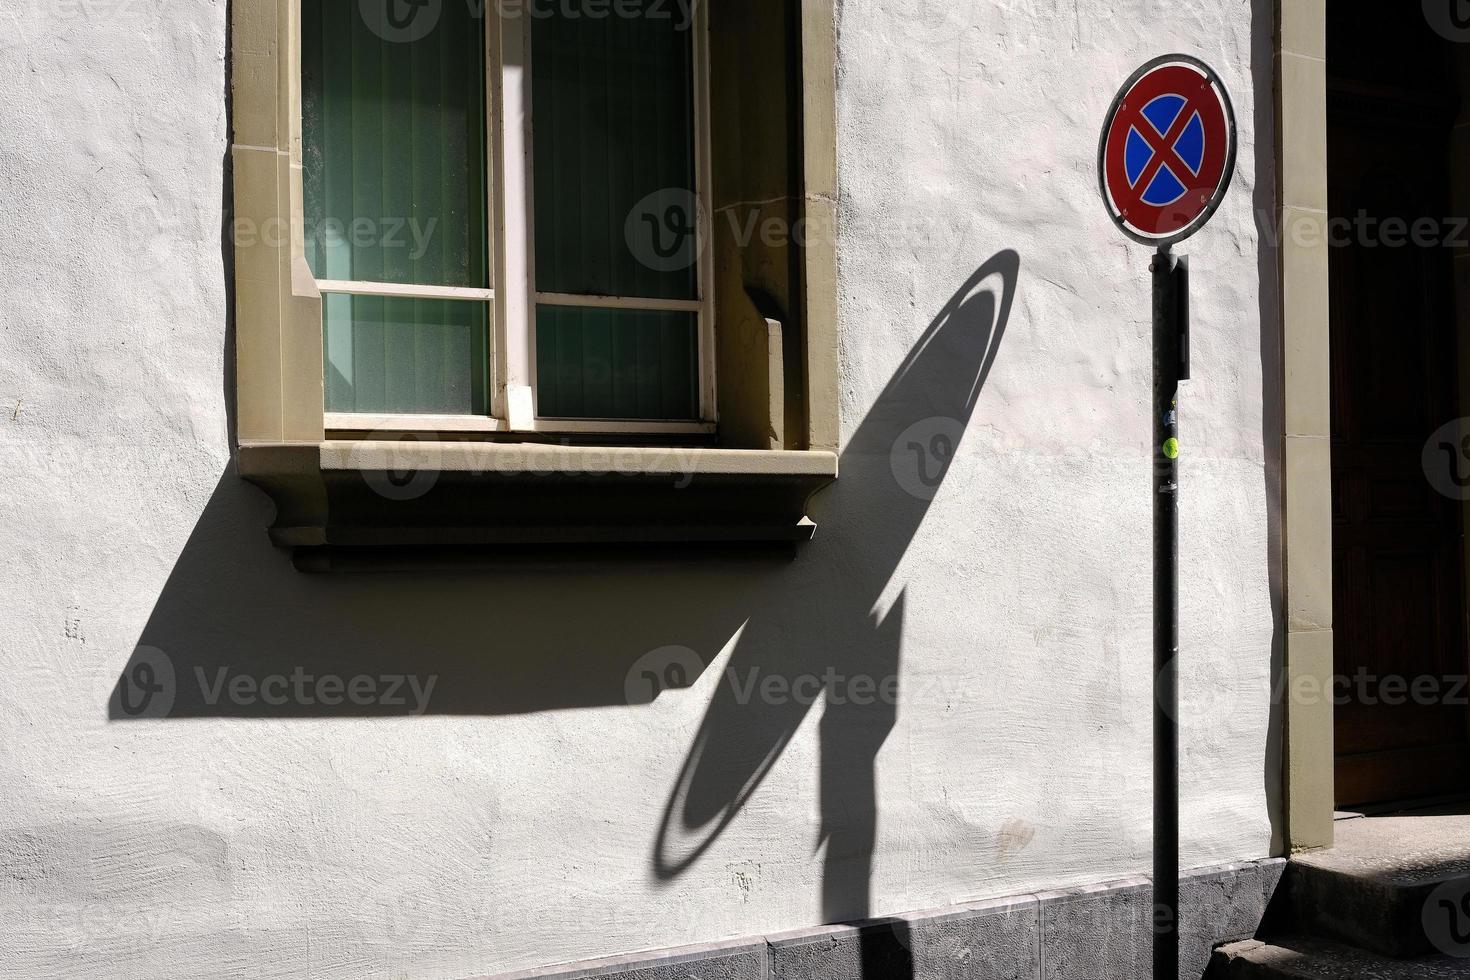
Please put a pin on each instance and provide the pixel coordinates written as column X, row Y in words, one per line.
column 340, row 498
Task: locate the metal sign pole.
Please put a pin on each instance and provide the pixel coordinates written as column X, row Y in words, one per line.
column 1164, row 163
column 1171, row 325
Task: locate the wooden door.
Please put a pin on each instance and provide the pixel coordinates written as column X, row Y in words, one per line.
column 1397, row 546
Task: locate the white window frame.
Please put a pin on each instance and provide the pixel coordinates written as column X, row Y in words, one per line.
column 512, row 264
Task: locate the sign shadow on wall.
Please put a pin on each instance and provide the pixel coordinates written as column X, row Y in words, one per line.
column 828, row 633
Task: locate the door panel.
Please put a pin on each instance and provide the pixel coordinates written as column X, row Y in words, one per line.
column 1397, row 548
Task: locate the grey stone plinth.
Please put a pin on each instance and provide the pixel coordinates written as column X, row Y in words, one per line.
column 1106, row 931
column 992, row 940
column 740, row 961
column 1096, row 932
column 1222, row 905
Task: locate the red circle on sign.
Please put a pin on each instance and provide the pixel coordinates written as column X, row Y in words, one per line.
column 1168, row 149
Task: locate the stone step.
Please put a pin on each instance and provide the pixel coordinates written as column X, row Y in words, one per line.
column 1320, row 959
column 1397, row 886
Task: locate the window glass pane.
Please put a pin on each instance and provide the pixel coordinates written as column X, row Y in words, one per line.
column 616, row 364
column 393, row 143
column 613, row 149
column 405, row 356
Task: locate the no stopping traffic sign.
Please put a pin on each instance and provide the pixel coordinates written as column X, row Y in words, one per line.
column 1167, row 152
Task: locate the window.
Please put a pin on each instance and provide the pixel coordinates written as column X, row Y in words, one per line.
column 503, row 213
column 479, row 250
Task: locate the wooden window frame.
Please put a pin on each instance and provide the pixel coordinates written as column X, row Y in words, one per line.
column 511, row 262
column 277, row 301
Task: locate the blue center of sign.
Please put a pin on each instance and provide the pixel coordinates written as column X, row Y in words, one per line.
column 1166, row 187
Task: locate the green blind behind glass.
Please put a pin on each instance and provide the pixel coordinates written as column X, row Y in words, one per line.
column 615, row 364
column 393, row 148
column 613, row 123
column 394, row 158
column 414, row 356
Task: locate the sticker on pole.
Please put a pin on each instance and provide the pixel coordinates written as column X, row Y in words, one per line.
column 1168, row 150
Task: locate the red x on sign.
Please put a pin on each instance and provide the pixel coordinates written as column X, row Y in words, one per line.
column 1168, row 150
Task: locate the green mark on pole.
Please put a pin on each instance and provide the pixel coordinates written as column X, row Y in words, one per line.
column 1171, row 448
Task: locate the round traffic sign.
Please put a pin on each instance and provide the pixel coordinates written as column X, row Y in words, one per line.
column 1167, row 151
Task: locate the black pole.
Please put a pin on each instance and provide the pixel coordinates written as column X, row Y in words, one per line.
column 1171, row 325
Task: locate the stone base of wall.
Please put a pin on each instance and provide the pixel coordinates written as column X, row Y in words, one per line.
column 1097, row 932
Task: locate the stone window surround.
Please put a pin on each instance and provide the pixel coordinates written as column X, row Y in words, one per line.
column 284, row 446
column 1300, row 50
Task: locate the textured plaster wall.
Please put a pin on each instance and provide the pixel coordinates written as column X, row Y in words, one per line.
column 517, row 822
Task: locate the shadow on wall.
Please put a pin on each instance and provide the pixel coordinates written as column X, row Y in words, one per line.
column 835, row 636
column 237, row 633
column 1273, row 379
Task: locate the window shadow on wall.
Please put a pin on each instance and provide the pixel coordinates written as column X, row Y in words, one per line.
column 236, row 632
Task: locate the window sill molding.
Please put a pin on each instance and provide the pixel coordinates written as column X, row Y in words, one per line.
column 386, row 496
column 363, row 425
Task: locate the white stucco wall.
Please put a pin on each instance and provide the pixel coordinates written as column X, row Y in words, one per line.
column 516, row 822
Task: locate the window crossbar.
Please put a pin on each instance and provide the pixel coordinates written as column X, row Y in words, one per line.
column 402, row 290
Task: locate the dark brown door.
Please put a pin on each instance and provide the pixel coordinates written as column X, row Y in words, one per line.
column 1401, row 721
